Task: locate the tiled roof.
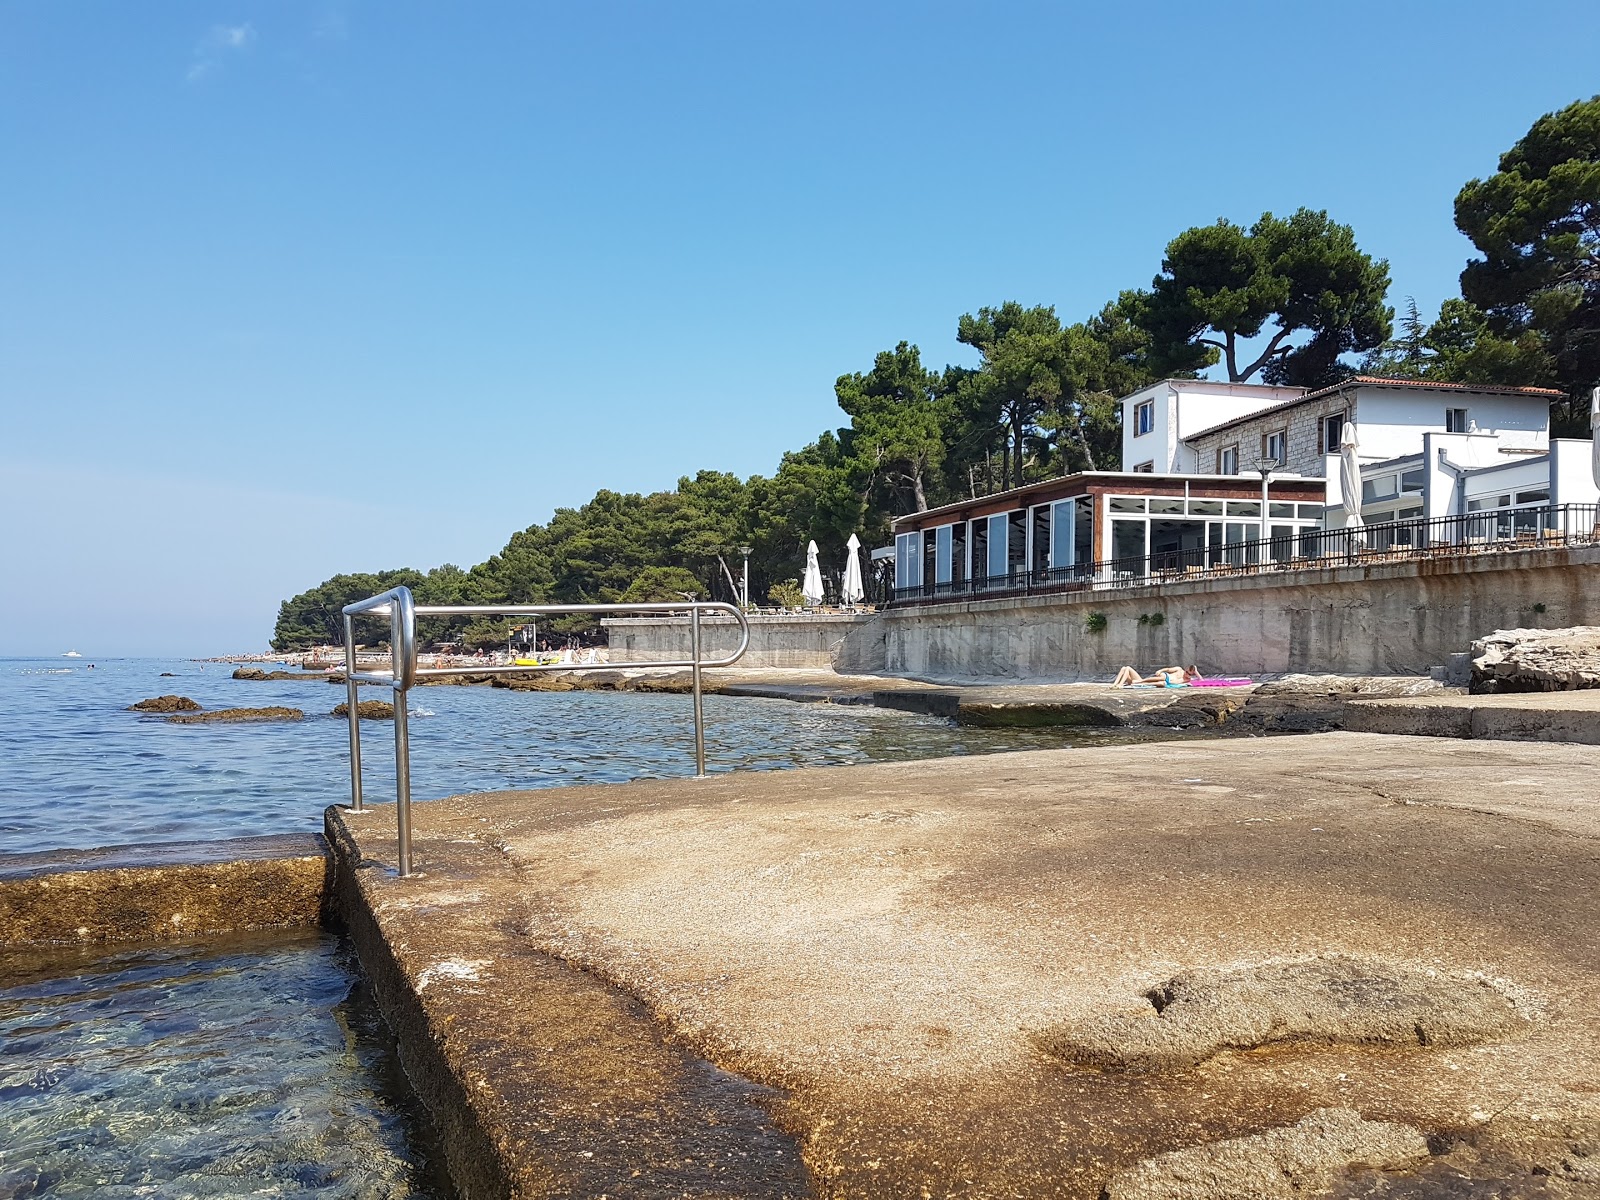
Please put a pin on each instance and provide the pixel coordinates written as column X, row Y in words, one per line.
column 1379, row 381
column 1492, row 389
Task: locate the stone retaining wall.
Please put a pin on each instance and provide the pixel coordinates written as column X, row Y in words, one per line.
column 798, row 640
column 1377, row 618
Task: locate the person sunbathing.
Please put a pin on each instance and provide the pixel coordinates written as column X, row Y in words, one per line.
column 1165, row 677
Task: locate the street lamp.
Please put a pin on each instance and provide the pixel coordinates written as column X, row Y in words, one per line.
column 745, row 550
column 1266, row 464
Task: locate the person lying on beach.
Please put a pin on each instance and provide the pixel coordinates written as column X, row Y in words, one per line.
column 1165, row 677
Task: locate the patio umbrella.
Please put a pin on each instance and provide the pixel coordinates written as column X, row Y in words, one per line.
column 1594, row 432
column 852, row 592
column 1350, row 479
column 811, row 588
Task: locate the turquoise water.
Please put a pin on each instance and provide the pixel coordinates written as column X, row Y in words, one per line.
column 252, row 1066
column 77, row 770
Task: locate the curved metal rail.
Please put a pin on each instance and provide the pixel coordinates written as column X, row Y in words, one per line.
column 402, row 610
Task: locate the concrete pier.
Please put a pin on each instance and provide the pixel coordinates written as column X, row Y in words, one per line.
column 1367, row 953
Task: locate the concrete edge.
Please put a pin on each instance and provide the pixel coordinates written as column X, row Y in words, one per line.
column 153, row 893
column 472, row 1159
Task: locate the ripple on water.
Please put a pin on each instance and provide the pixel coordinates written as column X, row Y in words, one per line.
column 244, row 1067
column 77, row 769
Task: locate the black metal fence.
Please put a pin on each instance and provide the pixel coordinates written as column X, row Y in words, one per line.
column 1496, row 530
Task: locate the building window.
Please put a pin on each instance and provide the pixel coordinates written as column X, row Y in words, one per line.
column 1144, row 417
column 1332, row 431
column 1455, row 420
column 1146, row 467
column 1276, row 447
column 1228, row 460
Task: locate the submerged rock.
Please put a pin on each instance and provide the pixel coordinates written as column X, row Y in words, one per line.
column 223, row 715
column 256, row 673
column 367, row 710
column 548, row 682
column 1537, row 660
column 165, row 704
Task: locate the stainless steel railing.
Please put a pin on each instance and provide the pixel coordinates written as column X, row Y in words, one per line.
column 404, row 672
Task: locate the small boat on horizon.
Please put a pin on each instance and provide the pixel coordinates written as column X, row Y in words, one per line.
column 72, row 654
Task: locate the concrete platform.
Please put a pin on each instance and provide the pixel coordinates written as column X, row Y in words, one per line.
column 1521, row 716
column 163, row 891
column 673, row 988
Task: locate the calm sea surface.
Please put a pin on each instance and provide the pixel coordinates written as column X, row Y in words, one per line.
column 78, row 770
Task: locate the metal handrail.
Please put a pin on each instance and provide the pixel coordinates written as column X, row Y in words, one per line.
column 402, row 610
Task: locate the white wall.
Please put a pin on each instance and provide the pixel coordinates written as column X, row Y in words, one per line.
column 1185, row 407
column 1390, row 420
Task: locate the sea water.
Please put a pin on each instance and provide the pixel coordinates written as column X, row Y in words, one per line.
column 246, row 1066
column 79, row 770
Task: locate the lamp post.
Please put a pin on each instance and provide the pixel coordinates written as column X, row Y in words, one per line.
column 1266, row 465
column 745, row 550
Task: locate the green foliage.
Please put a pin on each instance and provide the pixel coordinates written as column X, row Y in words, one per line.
column 1095, row 622
column 786, row 594
column 660, row 585
column 897, row 420
column 316, row 618
column 1153, row 619
column 1536, row 222
column 1460, row 347
column 1221, row 284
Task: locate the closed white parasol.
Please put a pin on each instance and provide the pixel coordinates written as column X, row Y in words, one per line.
column 1350, row 478
column 852, row 592
column 1594, row 432
column 811, row 587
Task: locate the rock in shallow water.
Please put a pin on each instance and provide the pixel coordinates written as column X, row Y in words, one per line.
column 368, row 710
column 226, row 715
column 165, row 704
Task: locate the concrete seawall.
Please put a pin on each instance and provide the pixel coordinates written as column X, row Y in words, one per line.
column 1376, row 618
column 789, row 640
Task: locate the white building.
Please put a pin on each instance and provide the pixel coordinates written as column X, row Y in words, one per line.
column 1192, row 498
column 1427, row 449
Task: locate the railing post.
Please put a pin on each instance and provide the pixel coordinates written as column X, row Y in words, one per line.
column 355, row 717
column 402, row 780
column 699, row 713
column 403, row 666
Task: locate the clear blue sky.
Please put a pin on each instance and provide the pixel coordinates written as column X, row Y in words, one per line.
column 294, row 288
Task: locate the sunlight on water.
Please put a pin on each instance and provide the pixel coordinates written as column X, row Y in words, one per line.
column 243, row 1067
column 78, row 770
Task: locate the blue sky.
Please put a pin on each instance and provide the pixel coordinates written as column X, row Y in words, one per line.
column 294, row 288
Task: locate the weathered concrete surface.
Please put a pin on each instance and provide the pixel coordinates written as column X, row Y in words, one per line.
column 160, row 892
column 1526, row 717
column 776, row 640
column 1307, row 1157
column 1378, row 618
column 1320, row 1000
column 883, row 944
column 541, row 1080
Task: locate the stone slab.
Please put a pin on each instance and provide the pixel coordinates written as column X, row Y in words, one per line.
column 1518, row 716
column 162, row 892
column 876, row 950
